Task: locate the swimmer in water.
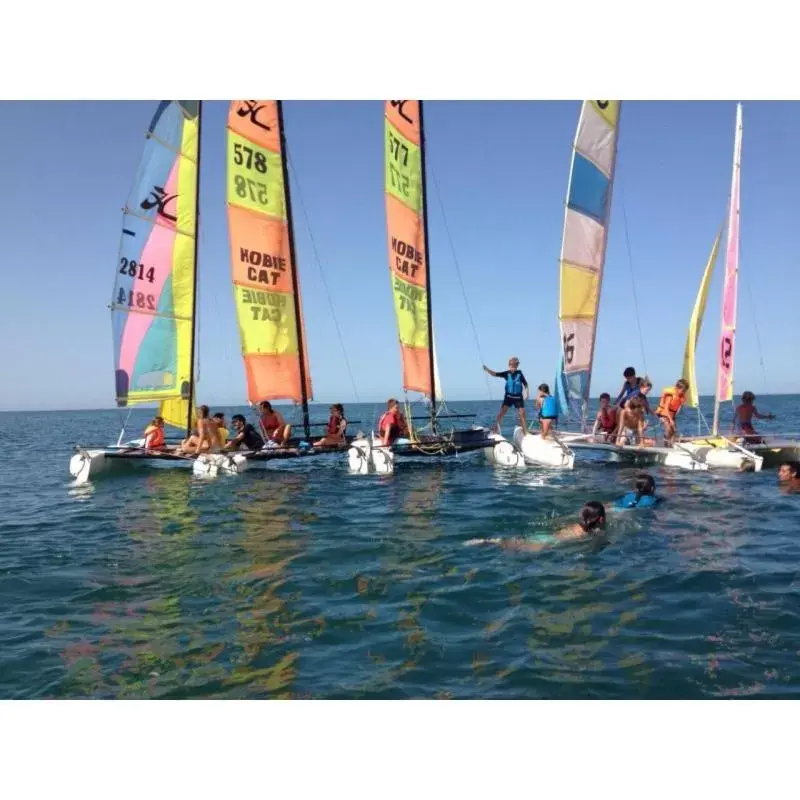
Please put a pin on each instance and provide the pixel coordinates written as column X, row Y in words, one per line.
column 590, row 525
column 643, row 496
column 789, row 474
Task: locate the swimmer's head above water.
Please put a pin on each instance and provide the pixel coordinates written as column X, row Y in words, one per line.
column 592, row 517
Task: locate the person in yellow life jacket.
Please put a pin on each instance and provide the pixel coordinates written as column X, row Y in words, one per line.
column 154, row 435
column 672, row 400
column 219, row 420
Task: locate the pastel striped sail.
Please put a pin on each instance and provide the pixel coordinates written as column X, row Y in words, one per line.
column 153, row 306
column 583, row 249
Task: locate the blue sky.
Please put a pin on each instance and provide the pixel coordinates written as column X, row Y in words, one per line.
column 502, row 170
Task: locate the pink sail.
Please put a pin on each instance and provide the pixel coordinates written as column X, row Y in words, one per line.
column 728, row 329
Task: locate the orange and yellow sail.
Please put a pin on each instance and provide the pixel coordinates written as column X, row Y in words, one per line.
column 408, row 261
column 266, row 288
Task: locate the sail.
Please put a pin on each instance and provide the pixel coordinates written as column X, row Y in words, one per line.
column 264, row 273
column 152, row 309
column 583, row 248
column 728, row 329
column 695, row 323
column 408, row 261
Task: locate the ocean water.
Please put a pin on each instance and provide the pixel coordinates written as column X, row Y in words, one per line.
column 303, row 581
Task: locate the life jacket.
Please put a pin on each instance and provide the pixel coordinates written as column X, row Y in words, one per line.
column 269, row 422
column 514, row 383
column 549, row 408
column 389, row 417
column 671, row 402
column 608, row 418
column 153, row 437
column 630, row 501
column 333, row 425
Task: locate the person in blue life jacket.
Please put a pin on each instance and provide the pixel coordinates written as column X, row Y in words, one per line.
column 631, row 387
column 548, row 409
column 516, row 391
column 643, row 496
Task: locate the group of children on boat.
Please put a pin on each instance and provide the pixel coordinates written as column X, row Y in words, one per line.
column 212, row 435
column 626, row 421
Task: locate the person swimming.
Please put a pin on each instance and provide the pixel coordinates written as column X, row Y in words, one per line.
column 643, row 496
column 789, row 473
column 590, row 525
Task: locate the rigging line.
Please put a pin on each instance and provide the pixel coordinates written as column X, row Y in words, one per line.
column 633, row 279
column 430, row 169
column 758, row 335
column 322, row 273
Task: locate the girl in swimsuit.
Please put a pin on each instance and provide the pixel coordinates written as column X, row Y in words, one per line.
column 590, row 525
column 337, row 425
column 206, row 438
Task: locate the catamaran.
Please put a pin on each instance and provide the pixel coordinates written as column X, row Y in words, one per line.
column 583, row 253
column 718, row 450
column 409, row 268
column 265, row 276
column 153, row 309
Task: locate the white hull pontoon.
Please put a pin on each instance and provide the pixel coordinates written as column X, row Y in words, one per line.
column 529, row 449
column 366, row 455
column 676, row 456
column 721, row 453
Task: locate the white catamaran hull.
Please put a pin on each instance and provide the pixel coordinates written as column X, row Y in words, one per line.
column 676, row 456
column 528, row 449
column 88, row 464
column 366, row 456
column 722, row 456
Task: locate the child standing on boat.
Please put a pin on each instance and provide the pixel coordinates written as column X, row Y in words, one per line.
column 630, row 388
column 672, row 400
column 548, row 409
column 743, row 418
column 516, row 391
column 631, row 423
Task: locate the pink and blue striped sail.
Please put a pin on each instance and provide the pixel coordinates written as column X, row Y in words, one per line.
column 153, row 302
column 583, row 250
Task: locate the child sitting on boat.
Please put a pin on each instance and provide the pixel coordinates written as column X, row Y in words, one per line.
column 206, row 436
column 743, row 419
column 337, row 425
column 222, row 432
column 516, row 391
column 672, row 400
column 246, row 435
column 605, row 423
column 590, row 525
column 273, row 425
column 392, row 424
column 154, row 435
column 548, row 409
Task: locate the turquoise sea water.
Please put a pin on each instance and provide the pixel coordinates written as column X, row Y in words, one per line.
column 304, row 581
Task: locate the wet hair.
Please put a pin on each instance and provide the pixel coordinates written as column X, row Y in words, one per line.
column 605, row 396
column 682, row 384
column 593, row 515
column 794, row 467
column 219, row 415
column 265, row 405
column 645, row 484
column 748, row 397
column 629, row 372
column 513, row 360
column 645, row 382
column 238, row 418
column 543, row 387
column 156, row 420
column 202, row 412
column 339, row 407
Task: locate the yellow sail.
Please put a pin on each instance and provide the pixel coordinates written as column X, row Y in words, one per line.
column 175, row 411
column 696, row 322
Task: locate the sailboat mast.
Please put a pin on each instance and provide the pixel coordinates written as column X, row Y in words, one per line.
column 729, row 287
column 424, row 192
column 189, row 420
column 293, row 258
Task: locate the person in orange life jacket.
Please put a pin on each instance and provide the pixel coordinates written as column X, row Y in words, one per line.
column 206, row 436
column 337, row 425
column 605, row 423
column 548, row 409
column 154, row 435
column 630, row 388
column 516, row 392
column 672, row 400
column 392, row 424
column 273, row 424
column 743, row 418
